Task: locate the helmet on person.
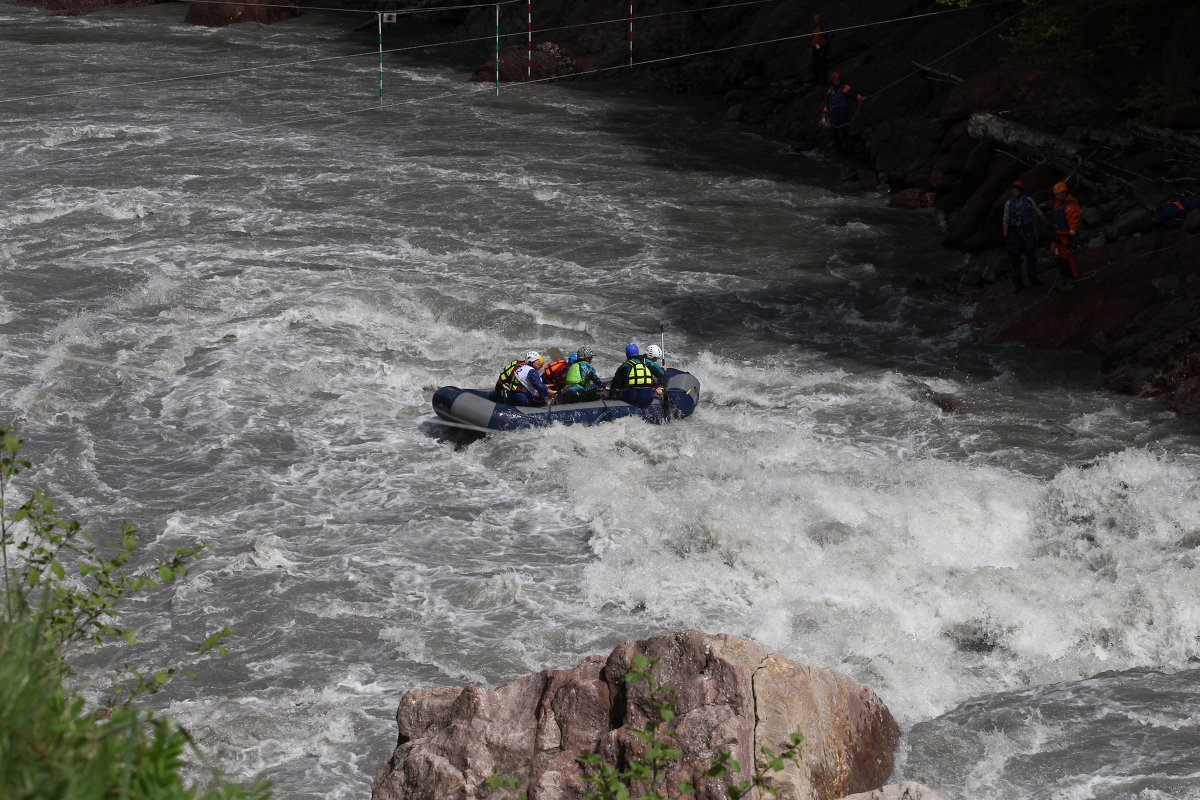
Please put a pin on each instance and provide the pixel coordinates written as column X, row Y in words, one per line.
column 586, row 354
column 571, row 359
column 655, row 352
column 1020, row 184
column 534, row 358
column 631, row 351
column 1061, row 187
column 837, row 77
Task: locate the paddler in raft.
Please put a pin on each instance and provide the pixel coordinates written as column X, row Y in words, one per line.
column 638, row 380
column 520, row 384
column 581, row 382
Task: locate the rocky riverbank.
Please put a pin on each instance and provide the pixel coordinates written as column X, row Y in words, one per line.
column 947, row 124
column 949, row 121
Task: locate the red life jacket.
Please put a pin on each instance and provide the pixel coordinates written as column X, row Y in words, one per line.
column 556, row 373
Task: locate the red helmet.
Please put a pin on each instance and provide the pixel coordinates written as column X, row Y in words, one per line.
column 1020, row 184
column 837, row 76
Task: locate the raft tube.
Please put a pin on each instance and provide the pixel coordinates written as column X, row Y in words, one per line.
column 470, row 409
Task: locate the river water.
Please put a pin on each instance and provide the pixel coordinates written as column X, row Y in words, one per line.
column 227, row 301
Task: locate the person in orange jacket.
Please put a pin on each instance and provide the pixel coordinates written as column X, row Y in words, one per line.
column 841, row 102
column 820, row 51
column 1065, row 216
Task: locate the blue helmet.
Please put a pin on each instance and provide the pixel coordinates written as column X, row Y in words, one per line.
column 631, row 351
column 571, row 359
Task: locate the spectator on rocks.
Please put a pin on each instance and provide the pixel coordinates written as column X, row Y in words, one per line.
column 1020, row 217
column 841, row 103
column 1066, row 215
column 820, row 52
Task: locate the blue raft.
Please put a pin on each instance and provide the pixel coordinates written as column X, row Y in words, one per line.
column 470, row 409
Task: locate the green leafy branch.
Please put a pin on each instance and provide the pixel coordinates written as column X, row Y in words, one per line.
column 61, row 590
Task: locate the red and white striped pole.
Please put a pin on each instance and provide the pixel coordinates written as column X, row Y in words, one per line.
column 631, row 33
column 529, row 47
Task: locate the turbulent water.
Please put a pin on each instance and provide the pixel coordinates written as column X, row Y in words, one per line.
column 227, row 300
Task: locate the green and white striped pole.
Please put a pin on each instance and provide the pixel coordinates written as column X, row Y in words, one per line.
column 380, row 16
column 497, row 49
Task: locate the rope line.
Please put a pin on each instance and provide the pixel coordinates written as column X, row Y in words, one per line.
column 951, row 52
column 382, row 106
column 474, row 40
column 398, row 12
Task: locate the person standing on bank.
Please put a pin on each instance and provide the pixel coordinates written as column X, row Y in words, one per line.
column 841, row 102
column 820, row 52
column 1020, row 218
column 1066, row 216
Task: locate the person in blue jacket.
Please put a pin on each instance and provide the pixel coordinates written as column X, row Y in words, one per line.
column 634, row 381
column 841, row 104
column 1019, row 224
column 520, row 384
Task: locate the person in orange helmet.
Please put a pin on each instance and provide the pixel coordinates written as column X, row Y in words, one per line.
column 841, row 103
column 1065, row 217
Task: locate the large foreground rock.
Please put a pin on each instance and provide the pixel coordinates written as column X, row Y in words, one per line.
column 900, row 791
column 731, row 696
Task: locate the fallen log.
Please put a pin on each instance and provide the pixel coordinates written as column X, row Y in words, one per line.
column 949, row 77
column 1030, row 142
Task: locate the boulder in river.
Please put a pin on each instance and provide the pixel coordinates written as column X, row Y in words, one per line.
column 731, row 696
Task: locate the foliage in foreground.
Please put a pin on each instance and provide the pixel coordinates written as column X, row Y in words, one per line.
column 61, row 591
column 645, row 773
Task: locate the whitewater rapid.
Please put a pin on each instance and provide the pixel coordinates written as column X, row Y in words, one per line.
column 227, row 301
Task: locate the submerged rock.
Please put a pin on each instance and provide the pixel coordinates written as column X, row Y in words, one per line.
column 217, row 15
column 731, row 696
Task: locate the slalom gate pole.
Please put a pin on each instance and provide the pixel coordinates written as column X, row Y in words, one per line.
column 631, row 33
column 497, row 49
column 529, row 42
column 379, row 15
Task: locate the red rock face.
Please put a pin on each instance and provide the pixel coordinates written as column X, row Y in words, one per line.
column 1050, row 100
column 1140, row 310
column 217, row 15
column 518, row 63
column 731, row 696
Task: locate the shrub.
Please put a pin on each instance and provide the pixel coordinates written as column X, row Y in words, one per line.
column 60, row 591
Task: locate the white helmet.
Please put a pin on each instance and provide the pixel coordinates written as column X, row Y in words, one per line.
column 655, row 352
column 533, row 357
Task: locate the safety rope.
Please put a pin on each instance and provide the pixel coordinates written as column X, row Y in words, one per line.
column 582, row 73
column 489, row 38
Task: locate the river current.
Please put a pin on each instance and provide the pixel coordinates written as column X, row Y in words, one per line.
column 226, row 302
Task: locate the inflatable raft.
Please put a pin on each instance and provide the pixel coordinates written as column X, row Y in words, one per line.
column 470, row 409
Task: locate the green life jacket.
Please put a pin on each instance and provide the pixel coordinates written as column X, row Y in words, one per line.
column 508, row 377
